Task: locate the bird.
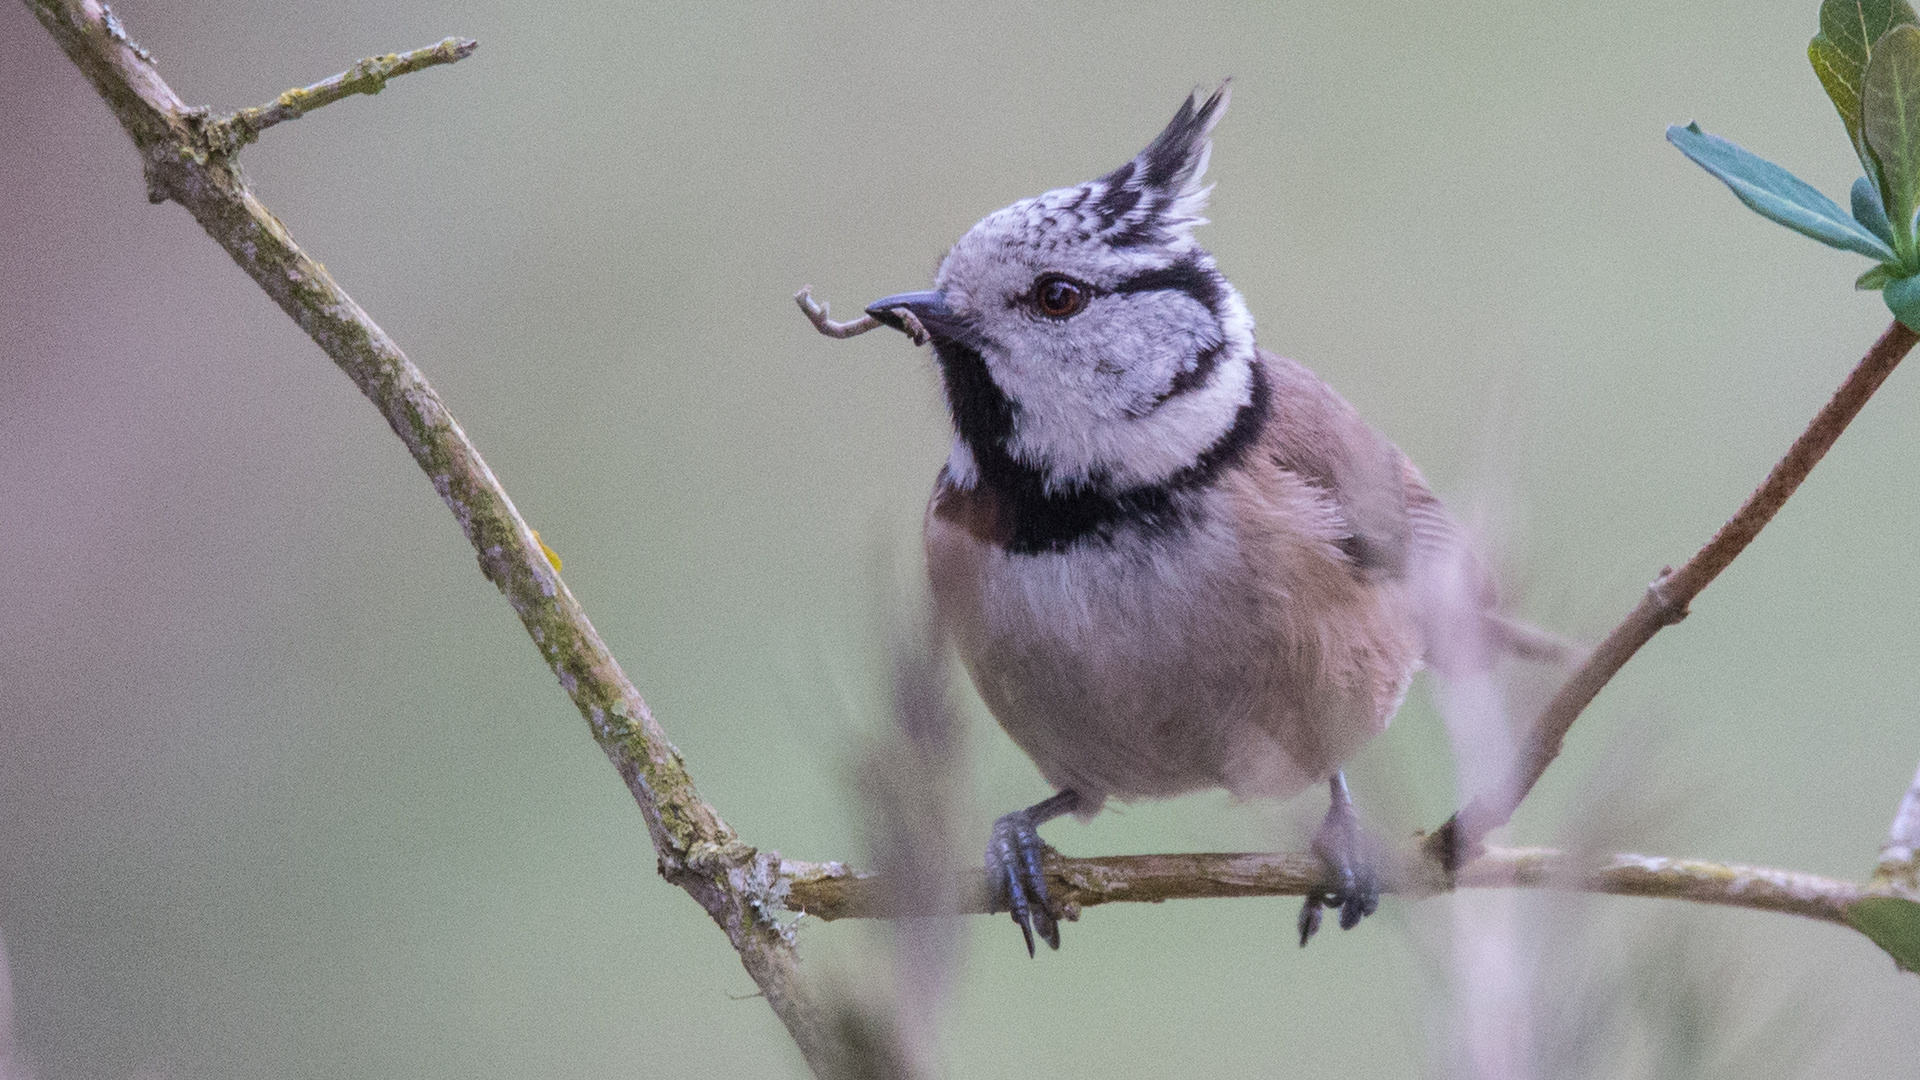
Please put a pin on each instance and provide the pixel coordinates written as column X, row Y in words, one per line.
column 1169, row 559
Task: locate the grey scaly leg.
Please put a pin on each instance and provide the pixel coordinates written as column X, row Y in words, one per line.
column 1343, row 846
column 1013, row 861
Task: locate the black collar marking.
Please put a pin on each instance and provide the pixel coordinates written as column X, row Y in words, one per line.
column 1027, row 519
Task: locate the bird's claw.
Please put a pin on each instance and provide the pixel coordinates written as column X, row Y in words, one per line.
column 1019, row 882
column 1353, row 883
column 1013, row 862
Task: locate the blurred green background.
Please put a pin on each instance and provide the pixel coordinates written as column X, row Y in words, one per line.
column 284, row 790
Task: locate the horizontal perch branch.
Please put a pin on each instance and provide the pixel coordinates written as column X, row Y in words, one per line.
column 834, row 891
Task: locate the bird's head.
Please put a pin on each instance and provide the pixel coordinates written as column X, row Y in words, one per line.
column 1083, row 333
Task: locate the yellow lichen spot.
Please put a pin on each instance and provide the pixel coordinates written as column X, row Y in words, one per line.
column 552, row 556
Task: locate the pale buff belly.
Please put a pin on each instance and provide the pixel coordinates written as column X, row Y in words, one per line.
column 1155, row 667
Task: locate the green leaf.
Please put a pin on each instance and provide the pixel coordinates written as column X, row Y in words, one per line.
column 1892, row 923
column 1877, row 278
column 1849, row 31
column 1841, row 80
column 1890, row 120
column 1776, row 194
column 1868, row 211
column 1903, row 299
column 1854, row 26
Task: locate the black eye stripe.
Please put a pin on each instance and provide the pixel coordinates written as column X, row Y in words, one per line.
column 1204, row 284
column 1196, row 281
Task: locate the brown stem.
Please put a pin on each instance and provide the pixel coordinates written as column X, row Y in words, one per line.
column 1666, row 600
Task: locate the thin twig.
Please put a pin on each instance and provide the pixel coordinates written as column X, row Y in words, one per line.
column 368, row 76
column 738, row 886
column 834, row 891
column 817, row 315
column 1666, row 600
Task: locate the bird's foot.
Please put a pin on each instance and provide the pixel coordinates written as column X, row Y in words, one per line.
column 1350, row 856
column 1013, row 864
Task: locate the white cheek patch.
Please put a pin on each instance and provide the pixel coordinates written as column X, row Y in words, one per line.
column 1102, row 408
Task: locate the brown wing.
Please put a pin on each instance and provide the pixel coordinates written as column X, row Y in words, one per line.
column 1397, row 529
column 1320, row 437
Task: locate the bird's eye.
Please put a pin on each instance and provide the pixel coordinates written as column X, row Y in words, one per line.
column 1058, row 296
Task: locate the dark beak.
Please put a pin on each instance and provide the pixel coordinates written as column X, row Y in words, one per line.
column 926, row 313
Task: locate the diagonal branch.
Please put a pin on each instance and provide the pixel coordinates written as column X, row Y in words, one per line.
column 369, row 76
column 738, row 886
column 1666, row 600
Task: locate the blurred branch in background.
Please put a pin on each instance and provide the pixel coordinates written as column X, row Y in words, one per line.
column 189, row 158
column 911, row 780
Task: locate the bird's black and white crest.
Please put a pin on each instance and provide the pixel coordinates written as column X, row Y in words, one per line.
column 1156, row 199
column 1089, row 346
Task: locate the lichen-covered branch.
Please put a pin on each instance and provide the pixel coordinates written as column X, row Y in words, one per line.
column 834, row 891
column 1666, row 600
column 189, row 160
column 369, row 76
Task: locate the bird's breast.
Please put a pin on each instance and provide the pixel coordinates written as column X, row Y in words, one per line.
column 1150, row 660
